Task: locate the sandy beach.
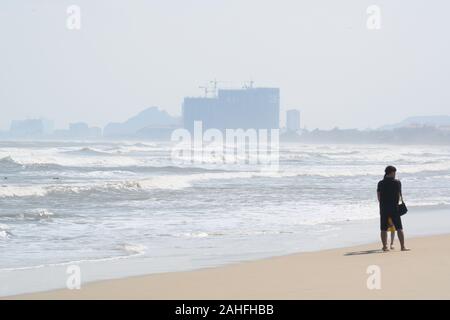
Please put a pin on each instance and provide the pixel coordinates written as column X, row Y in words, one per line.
column 422, row 273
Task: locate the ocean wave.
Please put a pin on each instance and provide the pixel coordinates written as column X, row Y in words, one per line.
column 319, row 154
column 61, row 190
column 191, row 176
column 33, row 214
column 308, row 163
column 86, row 151
column 427, row 155
column 135, row 249
column 137, row 147
column 168, row 182
column 204, row 234
column 69, row 263
column 193, row 235
column 5, row 232
column 32, row 162
column 22, row 191
column 331, row 171
column 7, row 164
column 441, row 205
column 41, row 213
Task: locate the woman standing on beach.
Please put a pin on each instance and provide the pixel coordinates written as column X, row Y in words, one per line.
column 389, row 193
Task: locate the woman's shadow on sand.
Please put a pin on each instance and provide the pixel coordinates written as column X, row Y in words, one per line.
column 364, row 252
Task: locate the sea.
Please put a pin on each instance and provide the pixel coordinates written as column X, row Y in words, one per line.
column 124, row 208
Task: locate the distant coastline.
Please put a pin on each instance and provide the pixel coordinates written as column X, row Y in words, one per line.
column 407, row 136
column 154, row 124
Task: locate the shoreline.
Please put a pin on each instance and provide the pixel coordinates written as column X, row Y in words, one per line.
column 328, row 274
column 341, row 235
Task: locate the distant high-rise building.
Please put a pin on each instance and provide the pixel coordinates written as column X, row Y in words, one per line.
column 82, row 130
column 79, row 130
column 31, row 128
column 48, row 125
column 200, row 109
column 247, row 108
column 27, row 128
column 293, row 120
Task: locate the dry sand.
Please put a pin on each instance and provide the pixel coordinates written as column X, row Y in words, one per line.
column 423, row 273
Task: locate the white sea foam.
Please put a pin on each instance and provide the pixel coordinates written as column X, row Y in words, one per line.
column 194, row 234
column 68, row 263
column 22, row 191
column 42, row 213
column 134, row 248
column 4, row 231
column 112, row 201
column 169, row 182
column 90, row 152
column 178, row 182
column 67, row 160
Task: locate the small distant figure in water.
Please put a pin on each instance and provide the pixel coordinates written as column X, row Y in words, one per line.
column 389, row 192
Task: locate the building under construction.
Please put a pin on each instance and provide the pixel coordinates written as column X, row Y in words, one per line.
column 246, row 108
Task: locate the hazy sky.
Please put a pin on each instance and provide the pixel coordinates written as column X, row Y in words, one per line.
column 129, row 55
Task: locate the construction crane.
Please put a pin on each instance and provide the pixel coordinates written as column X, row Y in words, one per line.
column 210, row 90
column 206, row 89
column 248, row 84
column 223, row 84
column 215, row 85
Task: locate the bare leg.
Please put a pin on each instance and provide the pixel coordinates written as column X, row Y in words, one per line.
column 401, row 238
column 392, row 239
column 384, row 240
